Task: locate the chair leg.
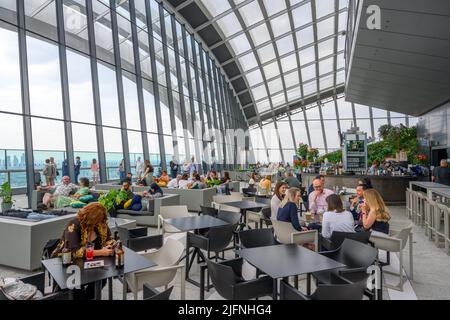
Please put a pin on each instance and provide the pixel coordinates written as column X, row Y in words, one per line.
column 411, row 277
column 183, row 284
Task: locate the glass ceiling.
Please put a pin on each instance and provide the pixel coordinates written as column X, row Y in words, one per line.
column 286, row 50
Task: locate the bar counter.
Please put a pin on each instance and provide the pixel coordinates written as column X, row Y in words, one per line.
column 391, row 188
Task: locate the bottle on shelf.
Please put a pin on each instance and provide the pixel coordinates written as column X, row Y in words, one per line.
column 66, row 254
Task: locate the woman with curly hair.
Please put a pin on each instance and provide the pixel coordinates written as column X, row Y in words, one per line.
column 89, row 226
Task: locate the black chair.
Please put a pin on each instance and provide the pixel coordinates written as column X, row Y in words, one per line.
column 339, row 289
column 355, row 255
column 267, row 214
column 233, row 218
column 227, row 278
column 38, row 280
column 137, row 239
column 150, row 293
column 209, row 211
column 249, row 192
column 338, row 237
column 255, row 238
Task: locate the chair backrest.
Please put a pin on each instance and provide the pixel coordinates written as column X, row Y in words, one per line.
column 223, row 278
column 355, row 254
column 349, row 291
column 337, row 237
column 209, row 211
column 231, row 217
column 339, row 291
column 220, row 237
column 257, row 238
column 283, row 231
column 169, row 254
column 151, row 293
column 266, row 212
column 171, row 212
column 145, row 243
column 403, row 234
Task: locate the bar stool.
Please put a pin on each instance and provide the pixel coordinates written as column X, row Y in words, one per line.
column 414, row 205
column 442, row 230
column 429, row 216
column 420, row 210
column 408, row 202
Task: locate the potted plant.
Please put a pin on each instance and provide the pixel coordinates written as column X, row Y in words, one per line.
column 6, row 195
column 112, row 198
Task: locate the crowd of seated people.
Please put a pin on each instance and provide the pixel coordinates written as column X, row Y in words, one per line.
column 367, row 210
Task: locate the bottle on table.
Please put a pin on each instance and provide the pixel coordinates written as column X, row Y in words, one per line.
column 120, row 255
column 66, row 254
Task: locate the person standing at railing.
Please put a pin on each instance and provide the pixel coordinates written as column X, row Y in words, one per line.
column 47, row 172
column 77, row 168
column 65, row 168
column 95, row 169
column 54, row 171
column 121, row 171
column 139, row 168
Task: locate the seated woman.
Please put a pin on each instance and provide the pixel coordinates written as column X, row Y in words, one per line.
column 163, row 180
column 366, row 182
column 252, row 181
column 89, row 226
column 336, row 218
column 375, row 214
column 280, row 191
column 289, row 208
column 266, row 184
column 65, row 201
column 173, row 184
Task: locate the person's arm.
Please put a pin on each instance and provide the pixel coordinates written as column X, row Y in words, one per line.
column 326, row 226
column 312, row 202
column 369, row 220
column 294, row 217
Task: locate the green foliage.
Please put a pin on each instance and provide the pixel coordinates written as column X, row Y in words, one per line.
column 333, row 157
column 313, row 154
column 212, row 183
column 395, row 138
column 6, row 193
column 302, row 151
column 112, row 198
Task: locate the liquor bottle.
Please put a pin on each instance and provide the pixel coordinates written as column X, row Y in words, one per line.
column 120, row 255
column 66, row 254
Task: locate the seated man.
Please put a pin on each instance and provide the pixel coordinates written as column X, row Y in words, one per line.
column 317, row 199
column 129, row 178
column 126, row 187
column 64, row 201
column 65, row 188
column 173, row 184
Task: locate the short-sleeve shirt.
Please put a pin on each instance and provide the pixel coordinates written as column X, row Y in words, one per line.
column 442, row 175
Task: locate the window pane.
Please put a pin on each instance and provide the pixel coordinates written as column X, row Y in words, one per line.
column 80, row 87
column 108, row 95
column 10, row 90
column 44, row 78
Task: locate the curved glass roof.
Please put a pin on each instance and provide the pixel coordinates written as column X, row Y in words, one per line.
column 286, row 50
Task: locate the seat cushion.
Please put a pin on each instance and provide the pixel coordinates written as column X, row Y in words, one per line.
column 135, row 213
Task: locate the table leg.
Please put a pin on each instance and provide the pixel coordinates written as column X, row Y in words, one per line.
column 275, row 289
column 202, row 282
column 125, row 288
column 98, row 290
column 296, row 282
column 308, row 284
column 110, row 288
column 187, row 257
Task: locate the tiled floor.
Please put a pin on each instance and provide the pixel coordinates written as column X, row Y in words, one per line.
column 431, row 270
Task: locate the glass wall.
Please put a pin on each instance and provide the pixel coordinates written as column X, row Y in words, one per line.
column 319, row 126
column 100, row 87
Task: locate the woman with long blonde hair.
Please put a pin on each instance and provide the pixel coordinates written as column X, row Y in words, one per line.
column 289, row 208
column 376, row 215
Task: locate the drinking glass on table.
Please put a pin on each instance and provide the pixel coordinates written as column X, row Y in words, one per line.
column 89, row 251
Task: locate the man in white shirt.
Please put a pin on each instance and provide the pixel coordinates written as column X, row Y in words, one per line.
column 174, row 182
